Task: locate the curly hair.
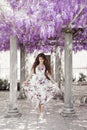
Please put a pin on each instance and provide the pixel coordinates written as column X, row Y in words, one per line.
column 46, row 63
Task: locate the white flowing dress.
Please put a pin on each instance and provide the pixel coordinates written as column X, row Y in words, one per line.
column 40, row 89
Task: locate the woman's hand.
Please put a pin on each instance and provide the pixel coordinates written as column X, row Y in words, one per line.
column 56, row 84
column 25, row 82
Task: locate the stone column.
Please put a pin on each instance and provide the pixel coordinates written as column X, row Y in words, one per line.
column 68, row 105
column 13, row 108
column 22, row 71
column 57, row 66
column 22, row 64
column 53, row 64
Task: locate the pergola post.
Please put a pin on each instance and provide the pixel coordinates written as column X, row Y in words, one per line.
column 13, row 108
column 68, row 105
column 22, row 71
column 57, row 65
column 53, row 64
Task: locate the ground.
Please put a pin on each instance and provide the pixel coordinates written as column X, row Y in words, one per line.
column 53, row 120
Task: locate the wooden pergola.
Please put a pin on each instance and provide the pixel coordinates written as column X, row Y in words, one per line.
column 68, row 102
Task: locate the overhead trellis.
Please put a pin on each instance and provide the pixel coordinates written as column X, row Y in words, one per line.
column 38, row 24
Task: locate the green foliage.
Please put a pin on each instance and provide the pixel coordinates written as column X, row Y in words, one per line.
column 3, row 84
column 74, row 79
column 82, row 77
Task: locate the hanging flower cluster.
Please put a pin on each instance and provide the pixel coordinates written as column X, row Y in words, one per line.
column 37, row 23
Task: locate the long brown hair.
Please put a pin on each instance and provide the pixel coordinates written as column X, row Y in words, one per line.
column 46, row 63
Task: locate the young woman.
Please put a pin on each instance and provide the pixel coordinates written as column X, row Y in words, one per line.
column 40, row 86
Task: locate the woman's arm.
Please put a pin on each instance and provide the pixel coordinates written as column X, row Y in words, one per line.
column 29, row 77
column 50, row 77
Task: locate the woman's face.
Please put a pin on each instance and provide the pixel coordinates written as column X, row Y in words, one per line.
column 41, row 60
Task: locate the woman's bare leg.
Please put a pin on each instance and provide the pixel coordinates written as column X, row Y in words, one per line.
column 41, row 110
column 39, row 107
